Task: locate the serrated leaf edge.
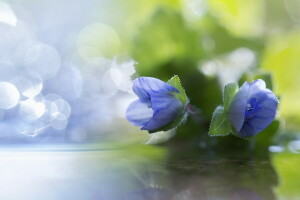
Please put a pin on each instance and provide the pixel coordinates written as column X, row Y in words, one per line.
column 210, row 129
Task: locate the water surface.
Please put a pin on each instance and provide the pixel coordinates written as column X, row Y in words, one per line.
column 142, row 173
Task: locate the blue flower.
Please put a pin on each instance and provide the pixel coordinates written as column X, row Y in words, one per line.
column 158, row 104
column 252, row 109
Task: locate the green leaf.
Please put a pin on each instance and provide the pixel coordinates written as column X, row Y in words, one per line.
column 219, row 125
column 175, row 81
column 229, row 92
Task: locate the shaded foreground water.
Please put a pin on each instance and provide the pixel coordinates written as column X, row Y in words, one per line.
column 142, row 173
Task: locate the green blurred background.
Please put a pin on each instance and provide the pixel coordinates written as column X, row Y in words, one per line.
column 207, row 43
column 211, row 43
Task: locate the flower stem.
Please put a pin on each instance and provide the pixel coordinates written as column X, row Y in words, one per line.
column 194, row 112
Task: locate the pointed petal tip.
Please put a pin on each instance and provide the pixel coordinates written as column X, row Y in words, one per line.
column 258, row 83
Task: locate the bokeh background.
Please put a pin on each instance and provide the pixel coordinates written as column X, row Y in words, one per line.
column 66, row 70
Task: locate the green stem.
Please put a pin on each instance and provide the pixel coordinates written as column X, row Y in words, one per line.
column 194, row 112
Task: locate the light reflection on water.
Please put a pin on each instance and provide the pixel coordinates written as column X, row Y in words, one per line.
column 135, row 173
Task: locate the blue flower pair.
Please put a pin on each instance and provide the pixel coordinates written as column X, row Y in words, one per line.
column 162, row 106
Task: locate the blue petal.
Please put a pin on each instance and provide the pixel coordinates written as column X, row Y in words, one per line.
column 263, row 114
column 236, row 112
column 139, row 113
column 247, row 130
column 144, row 86
column 258, row 84
column 161, row 100
column 164, row 115
column 269, row 106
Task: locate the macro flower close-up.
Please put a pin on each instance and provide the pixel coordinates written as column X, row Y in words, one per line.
column 252, row 109
column 157, row 107
column 149, row 100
